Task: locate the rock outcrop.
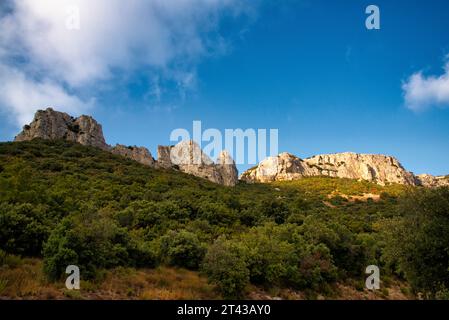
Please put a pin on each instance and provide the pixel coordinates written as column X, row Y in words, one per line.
column 374, row 168
column 185, row 156
column 283, row 167
column 427, row 180
column 50, row 124
column 188, row 157
column 227, row 169
column 139, row 154
column 163, row 157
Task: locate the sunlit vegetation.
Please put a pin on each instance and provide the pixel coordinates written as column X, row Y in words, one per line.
column 63, row 203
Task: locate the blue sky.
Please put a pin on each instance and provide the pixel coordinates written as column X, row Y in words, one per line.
column 308, row 68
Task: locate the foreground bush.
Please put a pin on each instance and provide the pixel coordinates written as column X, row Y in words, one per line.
column 226, row 267
column 182, row 249
column 269, row 255
column 418, row 245
column 92, row 242
column 278, row 255
column 23, row 228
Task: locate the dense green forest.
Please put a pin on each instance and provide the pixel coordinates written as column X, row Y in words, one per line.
column 71, row 204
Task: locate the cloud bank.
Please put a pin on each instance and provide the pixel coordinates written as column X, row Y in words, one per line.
column 421, row 92
column 45, row 59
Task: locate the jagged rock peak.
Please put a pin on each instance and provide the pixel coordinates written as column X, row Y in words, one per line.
column 188, row 157
column 51, row 124
column 139, row 154
column 188, row 152
column 375, row 168
column 228, row 171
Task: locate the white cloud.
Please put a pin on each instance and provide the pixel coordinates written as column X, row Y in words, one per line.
column 421, row 92
column 24, row 96
column 164, row 37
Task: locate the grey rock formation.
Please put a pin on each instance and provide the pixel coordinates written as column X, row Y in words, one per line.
column 50, row 124
column 227, row 169
column 163, row 157
column 188, row 157
column 283, row 167
column 375, row 168
column 139, row 154
column 430, row 181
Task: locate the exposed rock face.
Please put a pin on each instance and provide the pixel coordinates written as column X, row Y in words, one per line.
column 430, row 181
column 375, row 168
column 188, row 157
column 50, row 124
column 163, row 157
column 228, row 171
column 283, row 167
column 139, row 154
column 187, row 153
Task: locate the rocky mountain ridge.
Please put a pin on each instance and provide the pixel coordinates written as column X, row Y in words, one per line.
column 379, row 169
column 186, row 156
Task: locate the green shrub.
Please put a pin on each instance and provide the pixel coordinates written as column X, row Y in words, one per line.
column 278, row 255
column 91, row 242
column 346, row 250
column 225, row 266
column 418, row 244
column 22, row 228
column 275, row 209
column 182, row 249
column 217, row 213
column 270, row 258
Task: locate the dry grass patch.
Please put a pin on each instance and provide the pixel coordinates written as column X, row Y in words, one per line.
column 27, row 281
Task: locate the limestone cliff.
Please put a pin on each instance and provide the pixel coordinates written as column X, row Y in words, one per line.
column 430, row 181
column 227, row 169
column 380, row 169
column 283, row 167
column 139, row 154
column 188, row 157
column 375, row 168
column 50, row 124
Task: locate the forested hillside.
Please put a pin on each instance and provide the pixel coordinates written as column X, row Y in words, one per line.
column 64, row 203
